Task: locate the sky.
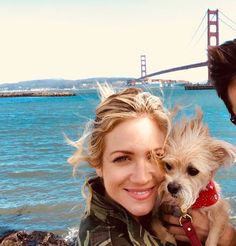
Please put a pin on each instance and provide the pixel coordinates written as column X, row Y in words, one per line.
column 76, row 39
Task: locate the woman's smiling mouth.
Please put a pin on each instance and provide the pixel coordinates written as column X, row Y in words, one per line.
column 142, row 194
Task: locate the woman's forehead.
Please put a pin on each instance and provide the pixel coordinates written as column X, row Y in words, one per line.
column 141, row 133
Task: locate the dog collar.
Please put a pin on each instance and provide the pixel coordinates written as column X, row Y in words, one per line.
column 207, row 197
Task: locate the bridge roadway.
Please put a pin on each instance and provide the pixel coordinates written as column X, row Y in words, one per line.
column 195, row 65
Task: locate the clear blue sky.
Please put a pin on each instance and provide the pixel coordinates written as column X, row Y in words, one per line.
column 76, row 39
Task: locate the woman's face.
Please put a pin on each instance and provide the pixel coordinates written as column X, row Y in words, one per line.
column 130, row 177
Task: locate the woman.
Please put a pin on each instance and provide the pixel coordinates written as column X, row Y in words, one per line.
column 130, row 126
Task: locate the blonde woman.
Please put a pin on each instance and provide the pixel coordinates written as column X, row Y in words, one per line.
column 130, row 126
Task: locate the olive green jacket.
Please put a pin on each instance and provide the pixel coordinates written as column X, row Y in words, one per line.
column 107, row 223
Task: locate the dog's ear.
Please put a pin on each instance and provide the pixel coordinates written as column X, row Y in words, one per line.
column 223, row 153
column 199, row 115
column 197, row 125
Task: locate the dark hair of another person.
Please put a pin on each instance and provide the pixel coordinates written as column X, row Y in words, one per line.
column 222, row 69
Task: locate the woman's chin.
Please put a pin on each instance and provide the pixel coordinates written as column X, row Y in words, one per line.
column 140, row 211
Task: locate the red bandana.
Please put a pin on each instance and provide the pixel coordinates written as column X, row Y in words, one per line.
column 207, row 197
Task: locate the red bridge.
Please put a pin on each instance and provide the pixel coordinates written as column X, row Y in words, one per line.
column 195, row 65
column 212, row 40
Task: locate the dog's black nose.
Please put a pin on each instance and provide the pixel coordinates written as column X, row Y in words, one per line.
column 173, row 188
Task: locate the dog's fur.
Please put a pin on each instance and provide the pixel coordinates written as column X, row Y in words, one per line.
column 191, row 159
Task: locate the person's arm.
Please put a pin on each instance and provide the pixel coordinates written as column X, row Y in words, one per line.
column 229, row 236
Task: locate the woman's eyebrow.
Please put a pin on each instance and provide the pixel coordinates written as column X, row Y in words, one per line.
column 121, row 151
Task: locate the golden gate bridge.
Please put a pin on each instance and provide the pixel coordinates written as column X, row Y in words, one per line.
column 212, row 40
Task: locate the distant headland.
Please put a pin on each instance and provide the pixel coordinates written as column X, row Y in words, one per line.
column 37, row 94
column 61, row 84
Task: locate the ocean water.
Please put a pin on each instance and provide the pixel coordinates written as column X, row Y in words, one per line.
column 37, row 188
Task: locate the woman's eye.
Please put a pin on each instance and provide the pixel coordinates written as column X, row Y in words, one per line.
column 168, row 166
column 153, row 156
column 121, row 158
column 192, row 171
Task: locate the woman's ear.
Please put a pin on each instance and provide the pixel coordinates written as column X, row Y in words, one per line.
column 99, row 171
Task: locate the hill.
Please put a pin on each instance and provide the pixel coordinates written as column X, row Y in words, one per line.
column 62, row 84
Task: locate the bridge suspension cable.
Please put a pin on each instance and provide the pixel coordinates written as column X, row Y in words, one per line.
column 205, row 29
column 227, row 17
column 195, row 33
column 228, row 25
column 204, row 32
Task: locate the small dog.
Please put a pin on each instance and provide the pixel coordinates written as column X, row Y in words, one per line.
column 191, row 159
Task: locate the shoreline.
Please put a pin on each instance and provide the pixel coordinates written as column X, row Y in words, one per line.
column 199, row 87
column 37, row 94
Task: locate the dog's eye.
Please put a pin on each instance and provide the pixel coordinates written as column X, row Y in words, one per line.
column 168, row 166
column 192, row 171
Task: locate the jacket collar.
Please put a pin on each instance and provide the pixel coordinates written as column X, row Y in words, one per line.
column 101, row 205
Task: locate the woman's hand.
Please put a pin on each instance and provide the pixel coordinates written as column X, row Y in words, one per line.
column 201, row 225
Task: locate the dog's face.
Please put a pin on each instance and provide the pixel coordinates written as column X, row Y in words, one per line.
column 191, row 158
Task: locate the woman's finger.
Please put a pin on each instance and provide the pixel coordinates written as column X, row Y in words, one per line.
column 170, row 219
column 175, row 230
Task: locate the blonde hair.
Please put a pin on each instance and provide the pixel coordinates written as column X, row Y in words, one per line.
column 113, row 109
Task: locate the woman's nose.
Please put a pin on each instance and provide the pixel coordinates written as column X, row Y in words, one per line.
column 142, row 172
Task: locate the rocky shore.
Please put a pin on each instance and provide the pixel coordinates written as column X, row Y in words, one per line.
column 35, row 238
column 37, row 94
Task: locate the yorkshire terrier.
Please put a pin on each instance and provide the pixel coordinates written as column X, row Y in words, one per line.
column 191, row 160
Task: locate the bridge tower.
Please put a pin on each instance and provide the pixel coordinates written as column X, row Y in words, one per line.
column 212, row 30
column 143, row 66
column 212, row 27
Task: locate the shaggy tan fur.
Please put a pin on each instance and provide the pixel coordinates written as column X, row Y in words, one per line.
column 191, row 159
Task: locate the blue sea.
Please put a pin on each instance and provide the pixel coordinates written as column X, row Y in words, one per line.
column 37, row 188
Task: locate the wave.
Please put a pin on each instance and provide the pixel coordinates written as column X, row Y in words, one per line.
column 43, row 208
column 29, row 174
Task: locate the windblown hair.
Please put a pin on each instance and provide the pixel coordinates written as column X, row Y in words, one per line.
column 113, row 109
column 222, row 68
column 194, row 133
